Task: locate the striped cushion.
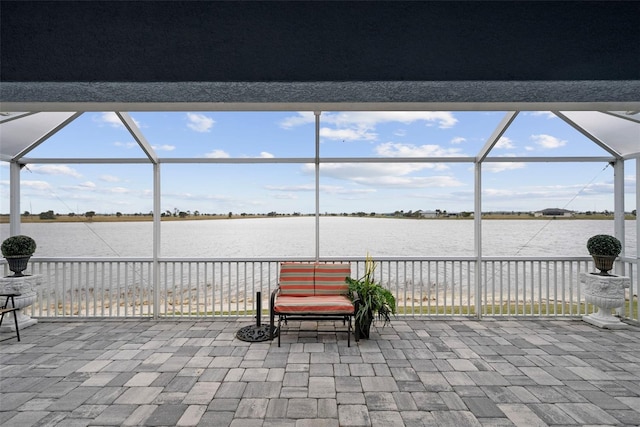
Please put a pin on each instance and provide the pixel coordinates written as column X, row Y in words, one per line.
column 330, row 279
column 296, row 279
column 326, row 304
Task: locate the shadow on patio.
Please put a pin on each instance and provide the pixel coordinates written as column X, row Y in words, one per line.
column 416, row 371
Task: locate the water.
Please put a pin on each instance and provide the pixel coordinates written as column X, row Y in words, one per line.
column 339, row 236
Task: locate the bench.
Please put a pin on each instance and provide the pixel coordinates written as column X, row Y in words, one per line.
column 312, row 291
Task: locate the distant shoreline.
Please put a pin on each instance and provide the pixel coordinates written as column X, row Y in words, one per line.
column 4, row 219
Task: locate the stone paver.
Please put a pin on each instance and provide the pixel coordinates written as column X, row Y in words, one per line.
column 413, row 372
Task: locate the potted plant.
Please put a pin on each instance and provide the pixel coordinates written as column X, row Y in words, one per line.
column 373, row 300
column 604, row 249
column 17, row 250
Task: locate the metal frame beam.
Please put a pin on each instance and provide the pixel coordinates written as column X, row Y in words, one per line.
column 134, row 130
column 497, row 134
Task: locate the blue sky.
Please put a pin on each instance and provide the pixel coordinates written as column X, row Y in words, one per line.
column 287, row 188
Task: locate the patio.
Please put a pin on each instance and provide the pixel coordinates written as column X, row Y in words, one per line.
column 416, row 371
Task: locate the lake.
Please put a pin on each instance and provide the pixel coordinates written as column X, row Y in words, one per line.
column 339, row 236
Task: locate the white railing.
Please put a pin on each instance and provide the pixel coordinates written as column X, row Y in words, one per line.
column 208, row 287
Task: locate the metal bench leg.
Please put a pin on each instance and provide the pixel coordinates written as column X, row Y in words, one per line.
column 279, row 328
column 15, row 319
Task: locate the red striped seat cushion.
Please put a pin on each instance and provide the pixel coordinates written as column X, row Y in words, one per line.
column 326, row 304
column 330, row 279
column 297, row 279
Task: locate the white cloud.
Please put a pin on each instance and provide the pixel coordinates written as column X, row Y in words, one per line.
column 199, row 122
column 546, row 193
column 354, row 125
column 126, row 144
column 109, row 178
column 547, row 114
column 89, row 185
column 36, row 185
column 302, row 187
column 118, row 190
column 396, row 175
column 302, row 118
column 548, row 141
column 262, row 155
column 412, row 181
column 54, row 170
column 334, row 189
column 285, row 196
column 504, row 143
column 458, row 140
column 111, row 119
column 496, row 167
column 354, row 134
column 370, row 119
column 394, row 149
column 217, row 154
column 165, row 147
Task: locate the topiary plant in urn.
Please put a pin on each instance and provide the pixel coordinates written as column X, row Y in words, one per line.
column 18, row 250
column 604, row 249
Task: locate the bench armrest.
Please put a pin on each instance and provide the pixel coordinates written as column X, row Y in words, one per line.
column 272, row 312
column 356, row 301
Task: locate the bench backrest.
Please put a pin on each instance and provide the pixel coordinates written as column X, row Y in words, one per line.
column 329, row 279
column 309, row 279
column 296, row 279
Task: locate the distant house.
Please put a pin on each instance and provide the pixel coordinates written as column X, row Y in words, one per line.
column 553, row 212
column 429, row 214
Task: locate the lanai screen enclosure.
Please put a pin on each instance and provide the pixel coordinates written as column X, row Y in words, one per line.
column 616, row 133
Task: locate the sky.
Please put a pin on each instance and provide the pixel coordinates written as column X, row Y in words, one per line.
column 285, row 188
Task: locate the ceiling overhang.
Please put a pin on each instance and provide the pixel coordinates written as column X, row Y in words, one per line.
column 322, row 96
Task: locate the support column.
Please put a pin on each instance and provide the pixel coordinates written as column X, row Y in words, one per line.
column 156, row 239
column 477, row 236
column 14, row 198
column 317, row 168
column 618, row 201
column 618, row 215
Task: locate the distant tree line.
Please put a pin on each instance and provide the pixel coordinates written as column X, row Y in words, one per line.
column 438, row 213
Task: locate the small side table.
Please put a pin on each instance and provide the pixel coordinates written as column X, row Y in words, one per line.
column 26, row 287
column 606, row 293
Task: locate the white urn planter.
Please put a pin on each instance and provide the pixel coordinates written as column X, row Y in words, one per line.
column 605, row 293
column 26, row 287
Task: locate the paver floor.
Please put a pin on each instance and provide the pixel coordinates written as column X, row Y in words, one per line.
column 413, row 372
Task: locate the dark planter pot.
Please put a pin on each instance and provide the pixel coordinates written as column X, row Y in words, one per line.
column 17, row 264
column 363, row 327
column 604, row 263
